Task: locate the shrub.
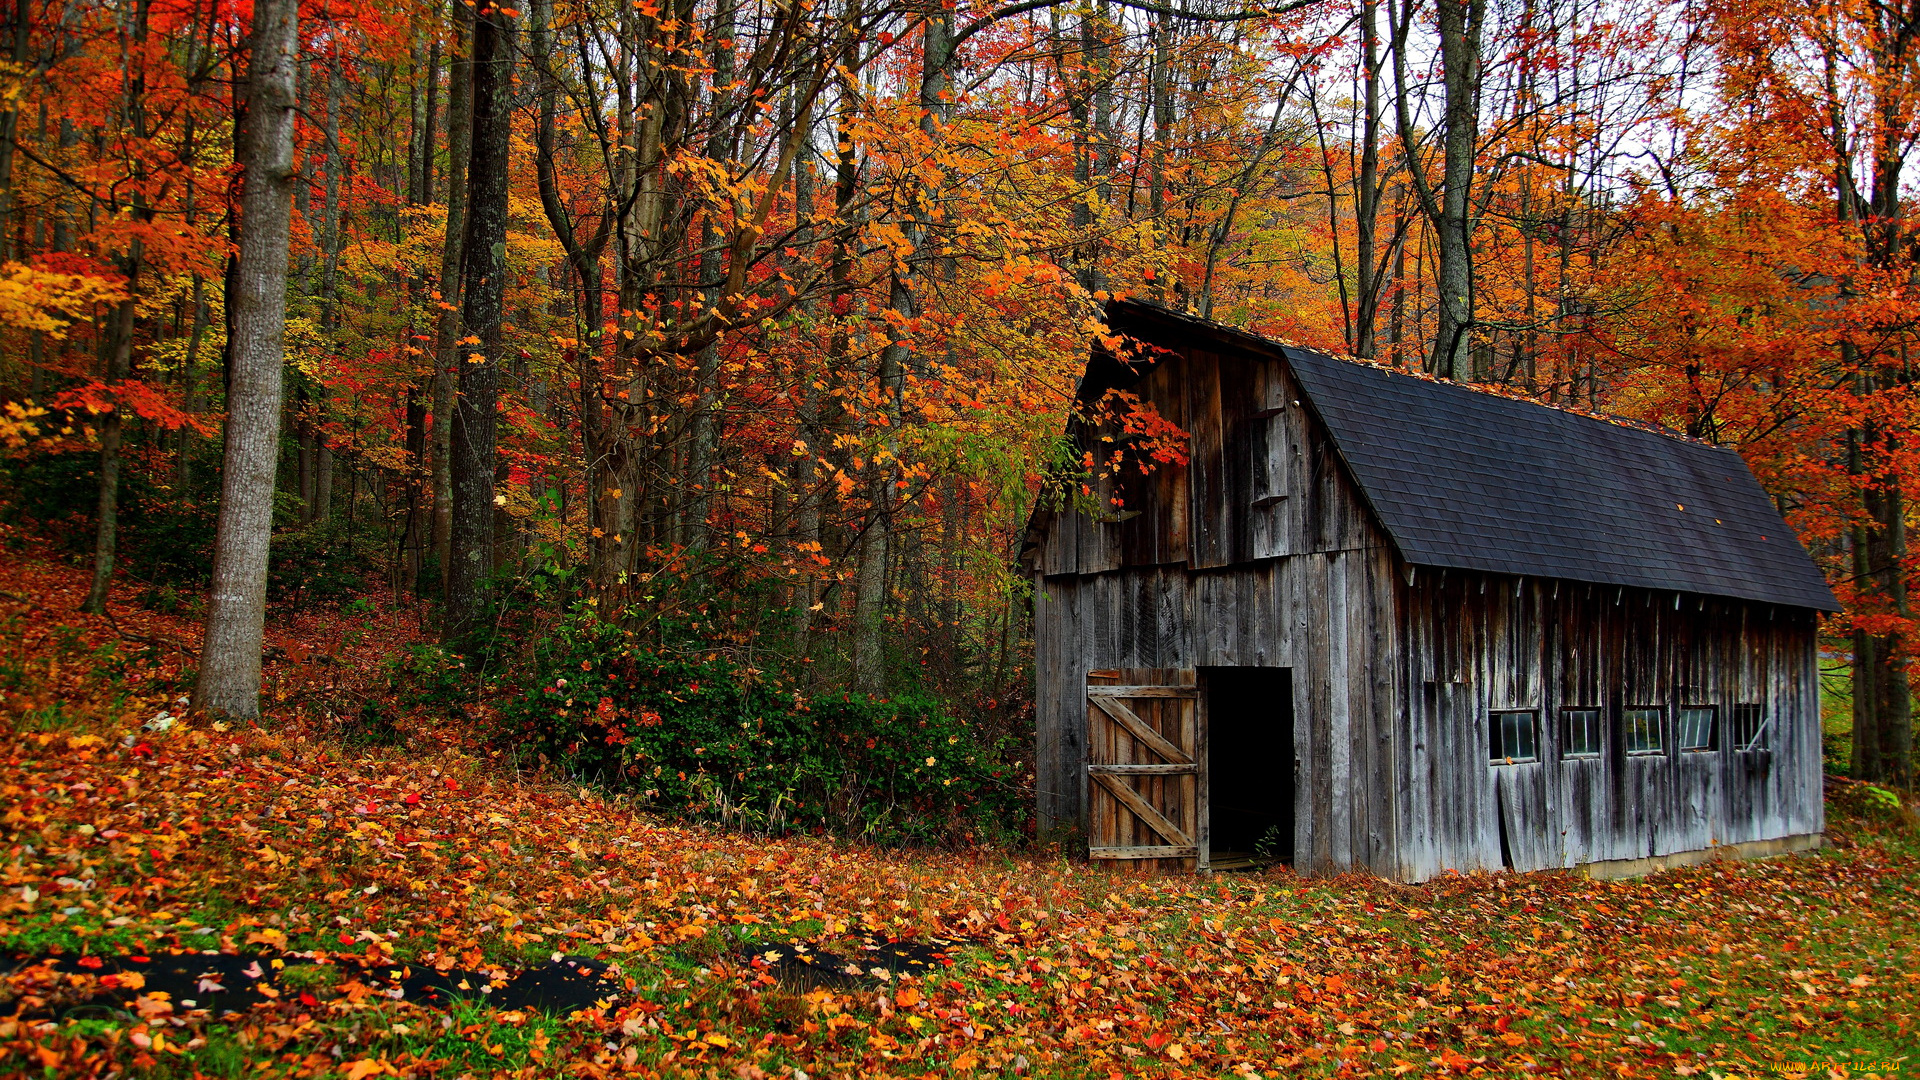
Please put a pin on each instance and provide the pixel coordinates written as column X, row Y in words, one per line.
column 1869, row 808
column 325, row 561
column 371, row 726
column 709, row 740
column 428, row 674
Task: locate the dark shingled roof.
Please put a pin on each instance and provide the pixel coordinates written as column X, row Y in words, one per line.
column 1471, row 480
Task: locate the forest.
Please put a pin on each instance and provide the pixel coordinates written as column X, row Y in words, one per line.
column 491, row 490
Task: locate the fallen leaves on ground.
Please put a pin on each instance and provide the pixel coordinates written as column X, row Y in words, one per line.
column 282, row 841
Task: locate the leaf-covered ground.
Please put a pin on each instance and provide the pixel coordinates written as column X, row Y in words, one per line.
column 298, row 842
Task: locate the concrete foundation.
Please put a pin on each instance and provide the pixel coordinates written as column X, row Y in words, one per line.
column 1751, row 849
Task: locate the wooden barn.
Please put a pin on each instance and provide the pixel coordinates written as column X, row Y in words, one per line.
column 1382, row 623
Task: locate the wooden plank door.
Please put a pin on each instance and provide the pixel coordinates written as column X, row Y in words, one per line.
column 1146, row 742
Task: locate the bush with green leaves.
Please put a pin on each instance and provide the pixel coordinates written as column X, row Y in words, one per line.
column 323, row 561
column 424, row 673
column 708, row 740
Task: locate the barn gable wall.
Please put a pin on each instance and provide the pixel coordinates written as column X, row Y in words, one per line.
column 1262, row 479
column 1258, row 553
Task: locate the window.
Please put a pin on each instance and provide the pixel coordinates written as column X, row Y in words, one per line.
column 1696, row 728
column 1580, row 734
column 1642, row 729
column 1512, row 738
column 1747, row 727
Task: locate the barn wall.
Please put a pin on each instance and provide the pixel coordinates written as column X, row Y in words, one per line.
column 1307, row 613
column 1478, row 643
column 1258, row 553
column 1262, row 480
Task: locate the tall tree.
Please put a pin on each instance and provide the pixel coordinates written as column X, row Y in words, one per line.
column 1870, row 207
column 1449, row 210
column 117, row 345
column 483, row 284
column 446, row 373
column 229, row 680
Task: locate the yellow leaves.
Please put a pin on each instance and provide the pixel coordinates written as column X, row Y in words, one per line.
column 366, row 1067
column 36, row 299
column 17, row 425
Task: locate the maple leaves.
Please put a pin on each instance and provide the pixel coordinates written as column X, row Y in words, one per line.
column 48, row 301
column 1062, row 967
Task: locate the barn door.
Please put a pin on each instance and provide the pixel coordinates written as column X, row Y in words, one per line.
column 1145, row 743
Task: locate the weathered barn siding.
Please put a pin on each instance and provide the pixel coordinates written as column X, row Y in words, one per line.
column 1304, row 604
column 1293, row 613
column 1262, row 481
column 1477, row 644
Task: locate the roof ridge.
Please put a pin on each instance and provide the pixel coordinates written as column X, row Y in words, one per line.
column 1489, row 389
column 1478, row 481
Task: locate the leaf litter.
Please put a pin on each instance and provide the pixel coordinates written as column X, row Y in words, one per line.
column 345, row 874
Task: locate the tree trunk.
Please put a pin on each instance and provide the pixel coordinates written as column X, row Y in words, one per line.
column 1460, row 24
column 119, row 367
column 331, row 242
column 583, row 255
column 870, row 576
column 446, row 361
column 1883, row 705
column 119, row 360
column 1366, row 205
column 1160, row 93
column 303, row 449
column 322, row 478
column 21, row 24
column 483, row 277
column 419, row 194
column 705, row 429
column 229, row 680
column 190, row 379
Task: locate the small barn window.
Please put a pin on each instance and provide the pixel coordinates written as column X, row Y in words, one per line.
column 1747, row 727
column 1580, row 734
column 1696, row 728
column 1512, row 738
column 1642, row 729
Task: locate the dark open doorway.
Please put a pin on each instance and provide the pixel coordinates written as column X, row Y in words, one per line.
column 1249, row 765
